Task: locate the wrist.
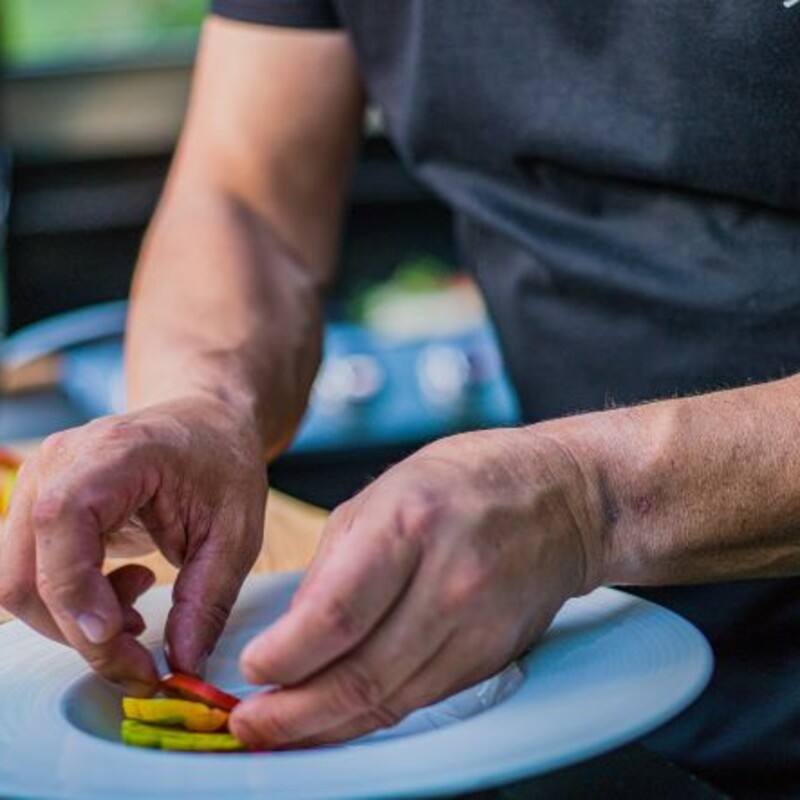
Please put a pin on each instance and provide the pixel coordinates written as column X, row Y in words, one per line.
column 573, row 457
column 236, row 403
column 225, row 390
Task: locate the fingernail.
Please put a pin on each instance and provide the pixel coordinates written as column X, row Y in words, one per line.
column 92, row 627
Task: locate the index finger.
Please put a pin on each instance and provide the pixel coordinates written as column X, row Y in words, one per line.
column 356, row 584
column 69, row 520
column 18, row 593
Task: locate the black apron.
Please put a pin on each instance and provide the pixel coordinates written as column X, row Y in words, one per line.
column 626, row 176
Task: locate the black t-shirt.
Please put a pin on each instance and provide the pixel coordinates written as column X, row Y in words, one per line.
column 626, row 179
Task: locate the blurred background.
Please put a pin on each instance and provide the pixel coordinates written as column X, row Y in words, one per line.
column 92, row 94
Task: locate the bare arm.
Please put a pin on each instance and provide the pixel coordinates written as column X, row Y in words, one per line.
column 227, row 295
column 455, row 561
column 223, row 345
column 695, row 489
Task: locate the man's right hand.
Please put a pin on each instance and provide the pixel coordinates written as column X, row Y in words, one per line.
column 228, row 294
column 186, row 477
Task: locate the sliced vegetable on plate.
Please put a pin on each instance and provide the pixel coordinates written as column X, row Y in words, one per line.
column 196, row 720
column 10, row 463
column 141, row 734
column 167, row 711
column 190, row 688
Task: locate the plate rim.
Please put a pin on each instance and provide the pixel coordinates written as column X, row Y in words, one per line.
column 469, row 777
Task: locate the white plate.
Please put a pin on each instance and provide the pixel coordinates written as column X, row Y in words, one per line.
column 611, row 668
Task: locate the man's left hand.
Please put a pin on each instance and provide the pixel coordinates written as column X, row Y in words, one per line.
column 433, row 578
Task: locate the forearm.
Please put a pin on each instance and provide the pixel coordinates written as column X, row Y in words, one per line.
column 221, row 307
column 228, row 292
column 695, row 489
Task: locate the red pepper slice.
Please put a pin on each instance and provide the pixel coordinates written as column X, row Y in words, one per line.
column 190, row 688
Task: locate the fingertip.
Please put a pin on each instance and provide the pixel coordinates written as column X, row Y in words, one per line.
column 130, row 582
column 203, row 597
column 253, row 722
column 184, row 651
column 244, row 731
column 146, row 578
column 129, row 665
column 179, row 643
column 253, row 661
column 134, row 622
column 251, row 672
column 178, row 661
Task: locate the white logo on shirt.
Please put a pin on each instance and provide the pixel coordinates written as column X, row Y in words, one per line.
column 790, row 3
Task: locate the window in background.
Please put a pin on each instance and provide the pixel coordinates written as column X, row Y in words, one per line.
column 42, row 31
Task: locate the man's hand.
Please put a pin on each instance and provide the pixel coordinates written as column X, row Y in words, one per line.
column 226, row 308
column 434, row 577
column 187, row 477
column 456, row 560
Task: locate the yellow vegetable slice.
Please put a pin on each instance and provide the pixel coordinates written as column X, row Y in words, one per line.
column 7, row 480
column 140, row 734
column 184, row 713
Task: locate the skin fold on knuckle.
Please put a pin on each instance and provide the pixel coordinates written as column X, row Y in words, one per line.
column 60, row 584
column 464, row 588
column 62, row 593
column 81, row 508
column 216, row 616
column 340, row 519
column 207, row 618
column 337, row 617
column 122, row 430
column 212, row 614
column 356, row 688
column 54, row 447
column 418, row 512
column 51, row 508
column 384, row 715
column 15, row 594
column 119, row 432
column 391, row 713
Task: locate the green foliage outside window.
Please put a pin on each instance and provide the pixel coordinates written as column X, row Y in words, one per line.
column 36, row 31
